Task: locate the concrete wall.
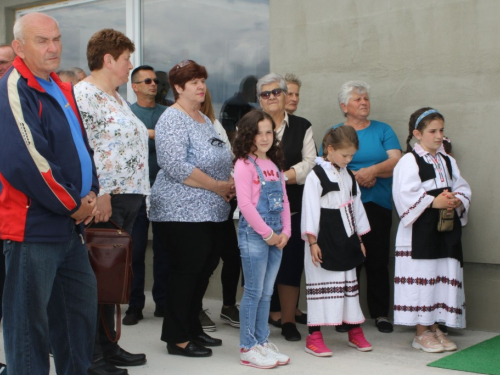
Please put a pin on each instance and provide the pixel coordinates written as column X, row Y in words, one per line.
column 442, row 54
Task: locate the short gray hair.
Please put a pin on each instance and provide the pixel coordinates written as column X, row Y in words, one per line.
column 19, row 26
column 68, row 73
column 348, row 88
column 292, row 78
column 271, row 78
column 78, row 70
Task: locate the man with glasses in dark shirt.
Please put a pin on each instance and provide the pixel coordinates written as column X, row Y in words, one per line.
column 145, row 86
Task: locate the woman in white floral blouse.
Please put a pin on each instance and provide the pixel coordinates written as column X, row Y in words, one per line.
column 120, row 143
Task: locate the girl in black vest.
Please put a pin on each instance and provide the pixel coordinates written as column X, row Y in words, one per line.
column 432, row 200
column 333, row 221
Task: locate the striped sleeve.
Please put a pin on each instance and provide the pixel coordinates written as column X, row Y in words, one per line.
column 27, row 161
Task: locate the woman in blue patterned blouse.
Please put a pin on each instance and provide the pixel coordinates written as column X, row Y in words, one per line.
column 190, row 201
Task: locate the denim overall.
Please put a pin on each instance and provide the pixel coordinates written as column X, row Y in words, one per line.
column 260, row 263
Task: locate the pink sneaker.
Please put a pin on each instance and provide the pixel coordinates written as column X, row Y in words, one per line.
column 316, row 346
column 357, row 340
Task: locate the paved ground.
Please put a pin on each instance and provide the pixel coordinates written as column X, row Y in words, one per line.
column 392, row 353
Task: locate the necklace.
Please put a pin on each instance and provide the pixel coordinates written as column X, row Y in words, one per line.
column 187, row 113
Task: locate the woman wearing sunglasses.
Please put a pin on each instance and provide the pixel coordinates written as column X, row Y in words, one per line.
column 296, row 136
column 189, row 200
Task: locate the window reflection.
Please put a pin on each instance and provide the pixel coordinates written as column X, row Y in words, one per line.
column 229, row 37
column 79, row 22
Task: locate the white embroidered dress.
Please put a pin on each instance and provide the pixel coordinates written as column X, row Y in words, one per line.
column 426, row 291
column 332, row 296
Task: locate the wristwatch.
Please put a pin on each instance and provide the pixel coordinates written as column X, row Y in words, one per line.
column 286, row 178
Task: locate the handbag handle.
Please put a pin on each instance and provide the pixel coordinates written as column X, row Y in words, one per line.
column 110, row 221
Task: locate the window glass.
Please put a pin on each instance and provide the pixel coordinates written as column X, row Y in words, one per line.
column 78, row 23
column 229, row 37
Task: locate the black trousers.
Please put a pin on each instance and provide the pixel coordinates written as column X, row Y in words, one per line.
column 292, row 263
column 193, row 253
column 377, row 244
column 230, row 255
column 125, row 208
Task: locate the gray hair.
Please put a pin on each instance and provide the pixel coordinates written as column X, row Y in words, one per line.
column 68, row 73
column 292, row 78
column 78, row 70
column 271, row 78
column 348, row 88
column 19, row 25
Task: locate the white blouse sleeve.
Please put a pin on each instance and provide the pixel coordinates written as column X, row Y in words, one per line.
column 311, row 206
column 463, row 190
column 410, row 198
column 362, row 223
column 305, row 166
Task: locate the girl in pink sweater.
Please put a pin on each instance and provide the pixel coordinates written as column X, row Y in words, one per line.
column 264, row 230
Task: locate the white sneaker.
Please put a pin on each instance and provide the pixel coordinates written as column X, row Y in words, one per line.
column 272, row 351
column 257, row 357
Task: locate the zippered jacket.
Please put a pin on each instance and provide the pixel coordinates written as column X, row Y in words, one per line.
column 40, row 170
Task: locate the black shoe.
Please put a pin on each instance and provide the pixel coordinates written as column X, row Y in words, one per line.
column 122, row 358
column 384, row 325
column 206, row 340
column 100, row 367
column 191, row 350
column 443, row 329
column 276, row 323
column 132, row 316
column 301, row 319
column 289, row 330
column 160, row 311
column 3, row 369
column 343, row 328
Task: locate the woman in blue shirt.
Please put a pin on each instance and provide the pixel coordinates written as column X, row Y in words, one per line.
column 373, row 165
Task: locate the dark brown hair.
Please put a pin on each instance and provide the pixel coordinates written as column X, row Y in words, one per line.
column 422, row 124
column 107, row 41
column 340, row 137
column 248, row 127
column 206, row 107
column 183, row 72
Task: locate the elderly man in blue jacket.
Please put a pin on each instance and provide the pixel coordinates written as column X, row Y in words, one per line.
column 49, row 192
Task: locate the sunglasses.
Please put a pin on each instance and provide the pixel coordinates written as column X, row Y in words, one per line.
column 267, row 94
column 183, row 63
column 149, row 81
column 216, row 142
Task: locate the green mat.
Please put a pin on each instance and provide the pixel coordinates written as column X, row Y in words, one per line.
column 482, row 358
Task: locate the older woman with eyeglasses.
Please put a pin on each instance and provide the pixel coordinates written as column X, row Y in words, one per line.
column 189, row 200
column 296, row 136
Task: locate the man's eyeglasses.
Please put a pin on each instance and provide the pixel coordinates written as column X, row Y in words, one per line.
column 216, row 142
column 183, row 63
column 267, row 94
column 149, row 81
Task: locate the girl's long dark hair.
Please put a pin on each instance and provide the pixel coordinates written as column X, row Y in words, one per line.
column 422, row 124
column 248, row 127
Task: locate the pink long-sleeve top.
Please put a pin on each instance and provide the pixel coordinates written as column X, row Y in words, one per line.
column 246, row 180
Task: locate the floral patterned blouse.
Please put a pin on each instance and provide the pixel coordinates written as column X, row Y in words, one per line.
column 119, row 140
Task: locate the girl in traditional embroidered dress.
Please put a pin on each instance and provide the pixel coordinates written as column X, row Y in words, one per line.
column 264, row 229
column 333, row 221
column 428, row 282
